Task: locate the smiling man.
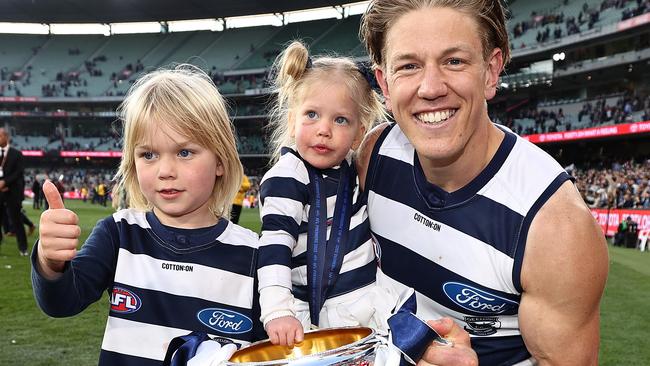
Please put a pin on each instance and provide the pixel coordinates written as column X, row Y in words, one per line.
column 486, row 227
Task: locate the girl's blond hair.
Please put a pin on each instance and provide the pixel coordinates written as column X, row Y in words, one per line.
column 185, row 100
column 294, row 71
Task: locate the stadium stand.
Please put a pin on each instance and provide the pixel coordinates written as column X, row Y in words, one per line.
column 74, row 83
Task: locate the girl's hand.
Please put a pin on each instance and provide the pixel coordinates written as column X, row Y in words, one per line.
column 285, row 331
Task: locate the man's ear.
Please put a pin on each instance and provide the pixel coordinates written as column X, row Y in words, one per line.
column 492, row 71
column 359, row 137
column 380, row 75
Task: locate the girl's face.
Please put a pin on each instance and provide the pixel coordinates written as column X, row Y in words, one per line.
column 177, row 177
column 326, row 124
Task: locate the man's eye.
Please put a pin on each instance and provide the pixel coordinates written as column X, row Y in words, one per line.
column 407, row 67
column 455, row 62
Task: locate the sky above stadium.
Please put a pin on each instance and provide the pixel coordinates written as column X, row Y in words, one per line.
column 213, row 24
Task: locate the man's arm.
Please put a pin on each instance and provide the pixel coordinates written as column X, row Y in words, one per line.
column 563, row 276
column 364, row 152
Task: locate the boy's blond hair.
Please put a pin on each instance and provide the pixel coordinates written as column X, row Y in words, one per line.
column 185, row 100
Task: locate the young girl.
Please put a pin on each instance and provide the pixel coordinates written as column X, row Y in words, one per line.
column 172, row 263
column 317, row 262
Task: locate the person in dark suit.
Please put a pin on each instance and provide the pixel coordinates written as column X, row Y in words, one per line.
column 12, row 186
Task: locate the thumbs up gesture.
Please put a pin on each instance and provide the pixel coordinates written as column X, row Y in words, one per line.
column 58, row 234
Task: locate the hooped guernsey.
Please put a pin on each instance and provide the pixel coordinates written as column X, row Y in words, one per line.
column 462, row 251
column 162, row 282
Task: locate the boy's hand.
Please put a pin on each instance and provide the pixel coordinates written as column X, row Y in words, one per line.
column 58, row 234
column 285, row 330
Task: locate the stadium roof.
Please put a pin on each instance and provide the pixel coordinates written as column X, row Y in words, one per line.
column 115, row 11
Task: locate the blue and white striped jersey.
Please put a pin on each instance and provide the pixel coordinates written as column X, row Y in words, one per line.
column 162, row 282
column 284, row 211
column 462, row 251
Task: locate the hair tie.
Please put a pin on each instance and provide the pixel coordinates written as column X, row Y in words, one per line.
column 365, row 68
column 309, row 63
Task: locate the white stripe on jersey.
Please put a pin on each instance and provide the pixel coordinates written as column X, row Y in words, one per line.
column 444, row 252
column 132, row 217
column 359, row 257
column 140, row 339
column 274, row 275
column 291, row 167
column 518, row 192
column 279, row 237
column 281, row 206
column 398, row 147
column 207, row 283
column 237, row 235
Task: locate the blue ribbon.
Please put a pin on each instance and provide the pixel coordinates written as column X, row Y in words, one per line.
column 185, row 348
column 409, row 333
column 325, row 257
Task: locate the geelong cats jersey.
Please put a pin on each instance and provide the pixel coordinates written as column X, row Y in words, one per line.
column 162, row 282
column 461, row 251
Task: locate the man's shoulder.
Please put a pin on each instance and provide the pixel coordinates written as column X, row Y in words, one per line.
column 365, row 150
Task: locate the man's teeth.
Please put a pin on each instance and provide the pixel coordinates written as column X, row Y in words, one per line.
column 436, row 117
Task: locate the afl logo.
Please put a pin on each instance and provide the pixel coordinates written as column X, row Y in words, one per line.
column 124, row 301
column 477, row 301
column 225, row 321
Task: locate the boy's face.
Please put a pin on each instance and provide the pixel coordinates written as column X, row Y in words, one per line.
column 436, row 81
column 177, row 177
column 326, row 124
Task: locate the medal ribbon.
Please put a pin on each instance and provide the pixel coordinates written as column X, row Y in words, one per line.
column 410, row 334
column 325, row 257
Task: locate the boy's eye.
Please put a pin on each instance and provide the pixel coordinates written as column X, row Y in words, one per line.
column 312, row 115
column 341, row 120
column 184, row 153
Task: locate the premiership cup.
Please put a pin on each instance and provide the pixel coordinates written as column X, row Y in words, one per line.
column 349, row 346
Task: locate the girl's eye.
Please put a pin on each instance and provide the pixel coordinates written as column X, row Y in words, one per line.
column 341, row 120
column 147, row 155
column 184, row 153
column 312, row 115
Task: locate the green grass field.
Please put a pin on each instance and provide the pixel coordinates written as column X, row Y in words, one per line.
column 28, row 337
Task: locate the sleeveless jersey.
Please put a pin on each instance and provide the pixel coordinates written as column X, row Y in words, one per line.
column 461, row 251
column 162, row 283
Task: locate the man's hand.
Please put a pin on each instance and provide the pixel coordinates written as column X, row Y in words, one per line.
column 460, row 353
column 58, row 234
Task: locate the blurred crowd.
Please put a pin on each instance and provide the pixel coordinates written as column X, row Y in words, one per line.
column 620, row 185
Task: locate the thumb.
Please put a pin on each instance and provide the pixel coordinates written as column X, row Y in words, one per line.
column 52, row 195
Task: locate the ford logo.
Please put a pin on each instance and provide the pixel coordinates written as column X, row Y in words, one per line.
column 475, row 300
column 225, row 321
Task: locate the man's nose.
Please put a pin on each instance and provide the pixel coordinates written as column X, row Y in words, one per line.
column 433, row 83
